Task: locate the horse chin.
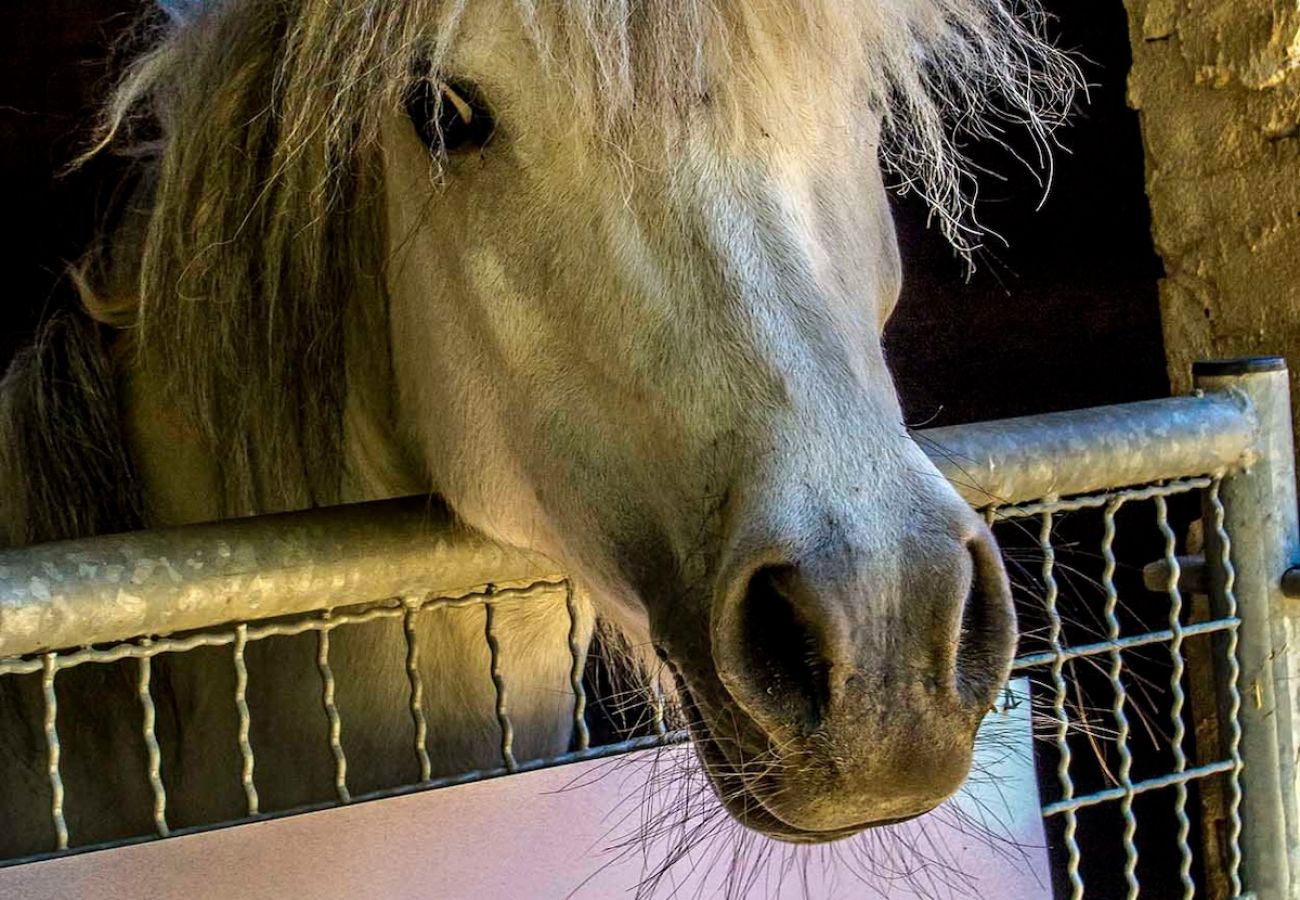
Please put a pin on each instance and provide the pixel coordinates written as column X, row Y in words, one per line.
column 737, row 793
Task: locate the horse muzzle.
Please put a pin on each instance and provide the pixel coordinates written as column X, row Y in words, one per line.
column 832, row 701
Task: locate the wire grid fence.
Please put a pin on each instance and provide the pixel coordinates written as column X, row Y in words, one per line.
column 238, row 637
column 1076, row 628
column 1108, row 662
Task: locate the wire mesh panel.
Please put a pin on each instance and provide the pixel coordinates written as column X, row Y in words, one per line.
column 1122, row 761
column 239, row 638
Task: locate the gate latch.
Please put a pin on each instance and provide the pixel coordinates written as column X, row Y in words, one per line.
column 1193, row 577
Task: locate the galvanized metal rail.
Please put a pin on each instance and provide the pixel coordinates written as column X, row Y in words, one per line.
column 1010, row 461
column 1255, row 539
column 118, row 587
column 113, row 588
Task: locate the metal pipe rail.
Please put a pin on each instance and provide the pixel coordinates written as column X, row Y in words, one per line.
column 1008, row 461
column 1255, row 538
column 118, row 587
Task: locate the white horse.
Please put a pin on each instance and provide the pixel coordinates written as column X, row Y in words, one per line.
column 607, row 277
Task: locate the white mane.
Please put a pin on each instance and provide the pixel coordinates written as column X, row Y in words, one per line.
column 941, row 71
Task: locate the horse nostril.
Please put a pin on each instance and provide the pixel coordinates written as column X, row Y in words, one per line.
column 986, row 637
column 784, row 653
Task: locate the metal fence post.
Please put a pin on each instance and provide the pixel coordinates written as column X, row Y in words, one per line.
column 1260, row 525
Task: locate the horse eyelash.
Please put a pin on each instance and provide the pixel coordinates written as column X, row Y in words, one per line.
column 462, row 106
column 448, row 115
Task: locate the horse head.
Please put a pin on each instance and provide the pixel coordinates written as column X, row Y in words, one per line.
column 633, row 264
column 636, row 325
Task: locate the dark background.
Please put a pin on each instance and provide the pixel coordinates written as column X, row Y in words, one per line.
column 1064, row 315
column 54, row 68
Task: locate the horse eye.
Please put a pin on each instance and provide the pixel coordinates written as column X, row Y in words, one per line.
column 449, row 116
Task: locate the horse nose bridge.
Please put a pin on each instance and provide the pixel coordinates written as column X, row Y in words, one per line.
column 865, row 530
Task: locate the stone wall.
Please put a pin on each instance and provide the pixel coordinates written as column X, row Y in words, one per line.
column 1217, row 86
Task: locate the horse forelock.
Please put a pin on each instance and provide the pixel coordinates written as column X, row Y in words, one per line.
column 264, row 253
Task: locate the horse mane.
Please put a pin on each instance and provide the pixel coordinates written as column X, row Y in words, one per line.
column 263, row 253
column 64, row 469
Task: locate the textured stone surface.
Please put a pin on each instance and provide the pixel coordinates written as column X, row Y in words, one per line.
column 1217, row 86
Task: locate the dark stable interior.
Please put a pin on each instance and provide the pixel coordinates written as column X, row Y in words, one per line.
column 1064, row 314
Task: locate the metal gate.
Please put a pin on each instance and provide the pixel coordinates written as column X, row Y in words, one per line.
column 1216, row 625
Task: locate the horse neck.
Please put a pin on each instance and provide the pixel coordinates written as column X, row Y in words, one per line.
column 380, row 460
column 179, row 472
